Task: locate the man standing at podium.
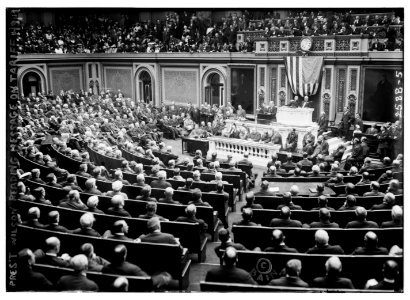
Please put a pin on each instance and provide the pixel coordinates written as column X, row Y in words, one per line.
column 306, row 103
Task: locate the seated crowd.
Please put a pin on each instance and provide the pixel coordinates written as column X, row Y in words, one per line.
column 190, row 31
column 81, row 127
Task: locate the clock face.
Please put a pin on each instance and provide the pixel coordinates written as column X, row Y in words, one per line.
column 305, row 44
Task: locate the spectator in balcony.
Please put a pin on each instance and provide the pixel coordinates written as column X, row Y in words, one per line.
column 332, row 279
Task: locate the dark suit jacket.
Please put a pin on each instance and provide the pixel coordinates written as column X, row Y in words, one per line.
column 265, row 193
column 280, row 248
column 124, row 268
column 34, row 223
column 367, row 251
column 323, row 225
column 362, row 224
column 336, row 249
column 93, row 191
column 76, row 282
column 56, row 227
column 160, row 184
column 276, row 222
column 45, row 259
column 73, row 205
column 159, row 238
column 222, row 246
column 291, row 206
column 338, row 282
column 383, row 285
column 118, row 212
column 391, row 224
column 229, row 274
column 28, row 280
column 193, row 220
column 87, row 232
column 291, row 281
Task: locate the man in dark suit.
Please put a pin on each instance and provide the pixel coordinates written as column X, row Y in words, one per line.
column 388, row 202
column 320, row 191
column 278, row 243
column 50, row 256
column 74, row 201
column 117, row 208
column 370, row 246
column 168, row 194
column 287, row 201
column 250, row 198
column 264, row 191
column 197, row 199
column 86, row 222
column 151, row 209
column 390, row 273
column 322, row 245
column 78, row 281
column 292, row 141
column 345, row 122
column 375, row 186
column 27, row 279
column 324, row 220
column 119, row 231
column 155, row 235
column 293, row 269
column 161, row 182
column 190, row 217
column 361, row 222
column 289, row 164
column 119, row 264
column 323, row 123
column 226, row 242
column 247, row 215
column 54, row 219
column 397, row 218
column 32, row 218
column 228, row 272
column 350, row 203
column 285, row 220
column 305, row 161
column 332, row 279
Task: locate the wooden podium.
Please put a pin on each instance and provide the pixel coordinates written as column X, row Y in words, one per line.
column 294, row 116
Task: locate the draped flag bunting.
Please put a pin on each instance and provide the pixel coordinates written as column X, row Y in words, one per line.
column 304, row 74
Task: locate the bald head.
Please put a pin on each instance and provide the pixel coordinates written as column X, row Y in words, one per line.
column 121, row 284
column 370, row 239
column 390, row 269
column 79, row 263
column 361, row 213
column 190, row 210
column 230, row 256
column 397, row 213
column 293, row 267
column 285, row 212
column 277, row 236
column 324, row 214
column 53, row 245
column 321, row 237
column 333, row 266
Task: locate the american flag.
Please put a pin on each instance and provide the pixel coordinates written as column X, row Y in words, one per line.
column 304, row 74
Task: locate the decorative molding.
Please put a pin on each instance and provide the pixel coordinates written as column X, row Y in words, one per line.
column 40, row 70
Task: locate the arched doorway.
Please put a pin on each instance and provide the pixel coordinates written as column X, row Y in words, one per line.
column 145, row 87
column 31, row 83
column 214, row 89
